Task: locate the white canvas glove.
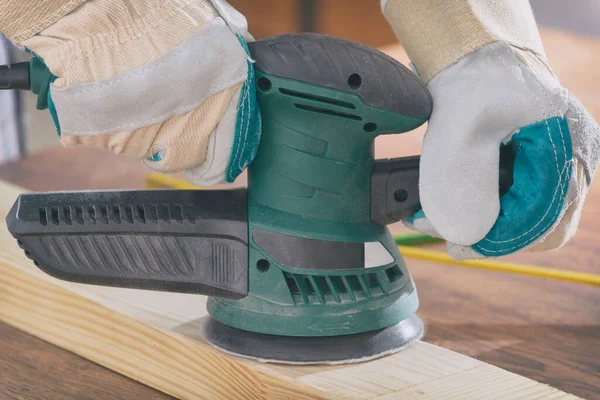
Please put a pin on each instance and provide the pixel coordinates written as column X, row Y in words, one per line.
column 493, row 94
column 166, row 81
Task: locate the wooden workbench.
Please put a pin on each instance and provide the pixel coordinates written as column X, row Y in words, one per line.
column 545, row 330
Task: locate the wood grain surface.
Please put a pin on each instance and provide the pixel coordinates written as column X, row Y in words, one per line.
column 32, row 369
column 546, row 330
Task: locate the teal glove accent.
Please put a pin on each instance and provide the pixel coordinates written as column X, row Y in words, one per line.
column 248, row 125
column 40, row 79
column 155, row 157
column 542, row 171
column 419, row 214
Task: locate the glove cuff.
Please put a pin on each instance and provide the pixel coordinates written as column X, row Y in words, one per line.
column 437, row 34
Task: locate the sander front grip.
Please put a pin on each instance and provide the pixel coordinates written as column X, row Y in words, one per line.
column 187, row 241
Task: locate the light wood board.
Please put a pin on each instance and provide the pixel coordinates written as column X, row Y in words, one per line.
column 154, row 338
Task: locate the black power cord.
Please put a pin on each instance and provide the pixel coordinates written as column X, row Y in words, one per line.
column 15, row 76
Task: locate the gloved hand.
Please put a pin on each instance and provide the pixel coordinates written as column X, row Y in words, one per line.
column 167, row 81
column 491, row 86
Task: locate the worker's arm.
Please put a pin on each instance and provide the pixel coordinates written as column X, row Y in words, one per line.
column 491, row 84
column 166, row 81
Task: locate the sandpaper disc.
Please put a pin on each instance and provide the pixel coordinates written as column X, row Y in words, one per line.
column 344, row 349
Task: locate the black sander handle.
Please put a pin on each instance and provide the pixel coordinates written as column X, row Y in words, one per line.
column 190, row 241
column 15, row 76
column 395, row 186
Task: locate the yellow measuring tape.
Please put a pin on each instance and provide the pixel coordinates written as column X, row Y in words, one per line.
column 156, row 180
column 513, row 268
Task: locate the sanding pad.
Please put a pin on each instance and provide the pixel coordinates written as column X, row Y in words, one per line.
column 345, row 349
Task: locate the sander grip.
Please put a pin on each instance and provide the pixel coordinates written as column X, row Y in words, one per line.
column 395, row 186
column 188, row 241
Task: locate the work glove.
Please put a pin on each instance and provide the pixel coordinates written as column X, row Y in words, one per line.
column 491, row 85
column 167, row 81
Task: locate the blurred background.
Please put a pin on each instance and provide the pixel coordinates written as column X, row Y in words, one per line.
column 24, row 130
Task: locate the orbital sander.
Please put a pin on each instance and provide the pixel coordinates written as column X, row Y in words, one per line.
column 299, row 267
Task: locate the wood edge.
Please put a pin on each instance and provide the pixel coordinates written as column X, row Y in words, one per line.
column 84, row 327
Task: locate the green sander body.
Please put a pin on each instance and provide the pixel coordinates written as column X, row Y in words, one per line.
column 320, row 263
column 301, row 260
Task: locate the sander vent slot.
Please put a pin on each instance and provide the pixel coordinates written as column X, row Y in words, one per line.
column 394, row 273
column 327, row 111
column 117, row 213
column 311, row 289
column 67, row 215
column 308, row 96
column 43, row 216
column 54, row 215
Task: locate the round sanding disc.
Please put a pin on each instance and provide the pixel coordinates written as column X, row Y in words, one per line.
column 314, row 350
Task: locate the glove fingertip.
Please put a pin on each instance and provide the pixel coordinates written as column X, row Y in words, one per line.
column 419, row 222
column 461, row 253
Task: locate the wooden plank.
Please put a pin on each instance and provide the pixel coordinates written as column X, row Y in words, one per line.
column 154, row 338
